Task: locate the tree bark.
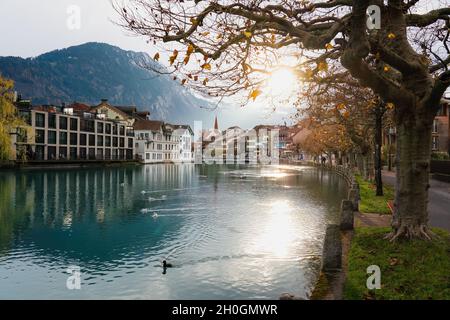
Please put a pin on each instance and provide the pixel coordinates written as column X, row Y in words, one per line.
column 410, row 216
column 378, row 137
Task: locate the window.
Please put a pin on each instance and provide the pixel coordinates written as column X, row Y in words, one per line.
column 83, row 153
column 74, row 124
column 435, row 126
column 107, row 154
column 39, row 120
column 91, row 153
column 154, row 156
column 62, row 153
column 83, row 140
column 87, row 125
column 434, row 143
column 147, row 156
column 91, row 140
column 115, row 142
column 39, row 152
column 130, row 143
column 51, row 153
column 73, row 153
column 115, row 129
column 51, row 139
column 122, row 142
column 63, row 123
column 52, row 121
column 108, row 128
column 99, row 127
column 63, row 138
column 40, row 136
column 73, row 139
column 159, row 146
column 107, row 141
column 99, row 141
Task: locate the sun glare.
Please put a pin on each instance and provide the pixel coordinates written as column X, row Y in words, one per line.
column 281, row 83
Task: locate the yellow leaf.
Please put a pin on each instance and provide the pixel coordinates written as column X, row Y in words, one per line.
column 254, row 94
column 186, row 59
column 173, row 57
column 156, row 57
column 194, row 21
column 206, row 66
column 346, row 114
column 205, row 82
column 340, row 106
column 386, row 68
column 190, row 49
column 391, row 36
column 248, row 34
column 309, row 73
column 205, row 34
column 390, row 105
column 219, row 36
column 328, row 46
column 322, row 66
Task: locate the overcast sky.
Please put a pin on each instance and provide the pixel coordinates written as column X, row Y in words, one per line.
column 33, row 27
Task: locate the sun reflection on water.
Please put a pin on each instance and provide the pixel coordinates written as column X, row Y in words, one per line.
column 277, row 234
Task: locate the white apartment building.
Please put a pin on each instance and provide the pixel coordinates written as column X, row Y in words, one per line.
column 62, row 133
column 157, row 142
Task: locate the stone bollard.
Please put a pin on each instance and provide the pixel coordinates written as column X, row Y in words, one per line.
column 346, row 215
column 353, row 196
column 332, row 249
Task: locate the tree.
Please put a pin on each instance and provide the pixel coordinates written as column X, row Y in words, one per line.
column 229, row 44
column 9, row 119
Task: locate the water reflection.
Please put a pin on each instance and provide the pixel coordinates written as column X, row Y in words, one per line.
column 230, row 231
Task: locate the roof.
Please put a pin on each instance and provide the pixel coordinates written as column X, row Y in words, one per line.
column 128, row 110
column 79, row 107
column 105, row 103
column 150, row 125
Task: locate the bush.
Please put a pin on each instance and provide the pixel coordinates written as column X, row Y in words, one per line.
column 440, row 156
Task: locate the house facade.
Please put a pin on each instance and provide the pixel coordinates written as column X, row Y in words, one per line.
column 74, row 132
column 158, row 142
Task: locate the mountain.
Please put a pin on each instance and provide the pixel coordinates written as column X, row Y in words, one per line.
column 92, row 71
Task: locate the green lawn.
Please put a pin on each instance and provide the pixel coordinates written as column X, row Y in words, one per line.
column 369, row 202
column 409, row 270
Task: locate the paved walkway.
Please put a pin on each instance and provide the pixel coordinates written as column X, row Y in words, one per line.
column 439, row 200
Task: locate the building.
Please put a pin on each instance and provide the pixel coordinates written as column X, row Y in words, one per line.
column 441, row 127
column 440, row 135
column 236, row 145
column 156, row 142
column 74, row 132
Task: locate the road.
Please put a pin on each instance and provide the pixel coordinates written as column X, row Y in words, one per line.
column 439, row 201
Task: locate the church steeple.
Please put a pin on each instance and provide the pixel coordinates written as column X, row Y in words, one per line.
column 216, row 124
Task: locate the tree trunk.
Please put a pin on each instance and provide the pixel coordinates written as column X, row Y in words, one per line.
column 411, row 191
column 378, row 137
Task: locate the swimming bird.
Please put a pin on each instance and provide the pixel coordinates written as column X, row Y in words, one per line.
column 143, row 192
column 155, row 215
column 167, row 265
column 145, row 210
